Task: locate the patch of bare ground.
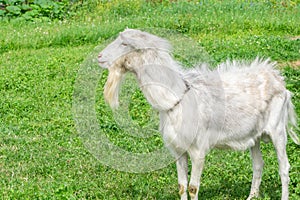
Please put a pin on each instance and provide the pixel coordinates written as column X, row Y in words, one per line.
column 293, row 64
column 295, row 37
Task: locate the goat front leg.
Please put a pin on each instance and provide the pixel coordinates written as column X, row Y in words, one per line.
column 182, row 172
column 257, row 165
column 197, row 167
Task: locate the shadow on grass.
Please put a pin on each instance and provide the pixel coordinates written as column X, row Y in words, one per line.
column 227, row 189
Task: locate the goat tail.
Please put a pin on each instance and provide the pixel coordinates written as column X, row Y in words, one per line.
column 292, row 118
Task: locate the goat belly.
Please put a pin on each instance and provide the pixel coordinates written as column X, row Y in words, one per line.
column 240, row 145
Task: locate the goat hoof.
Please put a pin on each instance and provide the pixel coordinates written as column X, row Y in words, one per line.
column 192, row 191
column 253, row 196
column 181, row 189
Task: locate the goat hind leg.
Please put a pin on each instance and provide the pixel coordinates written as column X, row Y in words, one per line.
column 257, row 165
column 280, row 146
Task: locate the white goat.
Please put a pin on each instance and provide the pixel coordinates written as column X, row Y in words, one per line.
column 234, row 106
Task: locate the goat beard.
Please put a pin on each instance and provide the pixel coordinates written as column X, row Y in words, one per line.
column 112, row 85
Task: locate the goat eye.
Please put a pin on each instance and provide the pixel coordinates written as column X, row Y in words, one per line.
column 124, row 45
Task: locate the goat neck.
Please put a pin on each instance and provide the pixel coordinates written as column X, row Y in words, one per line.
column 159, row 76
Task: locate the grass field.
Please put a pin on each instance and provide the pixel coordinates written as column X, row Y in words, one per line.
column 42, row 155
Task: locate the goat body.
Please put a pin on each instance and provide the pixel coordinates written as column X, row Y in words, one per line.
column 234, row 106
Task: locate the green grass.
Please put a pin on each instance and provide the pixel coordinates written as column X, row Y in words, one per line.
column 41, row 153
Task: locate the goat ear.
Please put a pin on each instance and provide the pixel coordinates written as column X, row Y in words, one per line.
column 143, row 40
column 135, row 40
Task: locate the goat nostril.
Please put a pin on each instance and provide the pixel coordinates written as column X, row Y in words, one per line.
column 100, row 55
